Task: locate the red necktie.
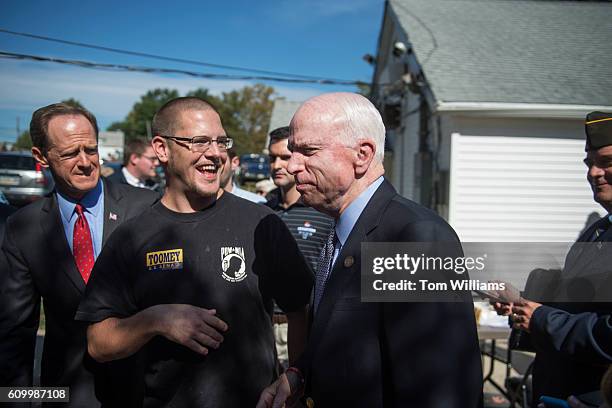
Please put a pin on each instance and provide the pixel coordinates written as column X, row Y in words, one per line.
column 82, row 247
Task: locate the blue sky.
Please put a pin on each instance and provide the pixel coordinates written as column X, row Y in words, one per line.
column 324, row 38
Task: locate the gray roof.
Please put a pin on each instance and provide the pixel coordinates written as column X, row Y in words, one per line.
column 282, row 113
column 550, row 52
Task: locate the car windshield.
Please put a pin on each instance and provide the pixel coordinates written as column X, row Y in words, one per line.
column 14, row 162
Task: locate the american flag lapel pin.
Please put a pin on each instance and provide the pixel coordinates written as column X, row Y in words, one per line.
column 112, row 216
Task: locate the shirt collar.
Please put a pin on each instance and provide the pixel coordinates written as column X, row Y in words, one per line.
column 130, row 178
column 91, row 202
column 349, row 217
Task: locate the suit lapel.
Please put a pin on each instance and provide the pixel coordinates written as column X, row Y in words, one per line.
column 607, row 235
column 341, row 275
column 576, row 252
column 114, row 212
column 53, row 228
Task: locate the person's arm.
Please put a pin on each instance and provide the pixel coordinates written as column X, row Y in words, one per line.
column 193, row 327
column 583, row 336
column 19, row 315
column 297, row 331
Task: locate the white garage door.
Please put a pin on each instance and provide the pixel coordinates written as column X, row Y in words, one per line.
column 505, row 189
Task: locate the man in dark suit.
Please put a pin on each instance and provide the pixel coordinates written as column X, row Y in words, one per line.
column 572, row 335
column 50, row 247
column 370, row 354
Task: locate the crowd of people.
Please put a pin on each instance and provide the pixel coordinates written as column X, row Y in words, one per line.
column 200, row 293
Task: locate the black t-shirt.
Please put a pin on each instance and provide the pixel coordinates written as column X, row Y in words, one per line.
column 236, row 257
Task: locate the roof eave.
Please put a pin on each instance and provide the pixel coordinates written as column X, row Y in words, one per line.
column 519, row 110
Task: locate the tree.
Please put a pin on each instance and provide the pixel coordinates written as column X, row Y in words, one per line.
column 246, row 116
column 364, row 89
column 136, row 122
column 245, row 113
column 73, row 102
column 23, row 142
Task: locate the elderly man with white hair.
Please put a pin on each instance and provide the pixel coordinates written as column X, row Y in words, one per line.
column 374, row 354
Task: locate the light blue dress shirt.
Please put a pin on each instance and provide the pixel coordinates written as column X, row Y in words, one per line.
column 247, row 195
column 93, row 208
column 349, row 217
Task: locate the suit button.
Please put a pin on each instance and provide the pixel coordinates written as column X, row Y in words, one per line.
column 349, row 261
column 309, row 402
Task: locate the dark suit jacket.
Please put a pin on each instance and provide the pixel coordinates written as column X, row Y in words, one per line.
column 5, row 211
column 119, row 177
column 40, row 264
column 573, row 340
column 391, row 354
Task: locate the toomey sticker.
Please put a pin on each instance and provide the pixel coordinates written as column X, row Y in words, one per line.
column 233, row 264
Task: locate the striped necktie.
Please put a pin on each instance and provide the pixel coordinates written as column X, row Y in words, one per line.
column 324, row 266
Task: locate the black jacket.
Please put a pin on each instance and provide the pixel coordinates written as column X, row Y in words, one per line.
column 362, row 354
column 40, row 264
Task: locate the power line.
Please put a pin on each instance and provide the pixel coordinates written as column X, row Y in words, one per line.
column 164, row 58
column 131, row 68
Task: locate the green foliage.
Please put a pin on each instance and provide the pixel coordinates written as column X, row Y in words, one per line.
column 135, row 124
column 364, row 89
column 23, row 142
column 245, row 114
column 73, row 102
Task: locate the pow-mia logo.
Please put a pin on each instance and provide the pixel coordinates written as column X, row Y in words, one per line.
column 233, row 264
column 164, row 260
column 306, row 231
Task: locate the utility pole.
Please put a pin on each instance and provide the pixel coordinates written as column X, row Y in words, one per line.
column 149, row 135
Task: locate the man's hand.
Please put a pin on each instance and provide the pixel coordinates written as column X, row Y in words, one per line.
column 502, row 309
column 521, row 314
column 284, row 392
column 275, row 395
column 573, row 402
column 190, row 326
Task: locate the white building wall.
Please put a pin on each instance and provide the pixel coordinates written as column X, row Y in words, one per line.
column 517, row 188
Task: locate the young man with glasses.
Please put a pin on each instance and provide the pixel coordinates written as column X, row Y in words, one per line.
column 191, row 282
column 139, row 166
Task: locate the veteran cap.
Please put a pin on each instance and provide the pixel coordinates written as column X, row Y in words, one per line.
column 598, row 129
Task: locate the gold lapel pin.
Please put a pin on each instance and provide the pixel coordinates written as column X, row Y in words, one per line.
column 349, row 261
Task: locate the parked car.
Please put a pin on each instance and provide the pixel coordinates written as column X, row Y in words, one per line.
column 22, row 180
column 254, row 167
column 3, row 199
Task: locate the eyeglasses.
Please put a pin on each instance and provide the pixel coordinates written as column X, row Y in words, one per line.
column 150, row 158
column 200, row 144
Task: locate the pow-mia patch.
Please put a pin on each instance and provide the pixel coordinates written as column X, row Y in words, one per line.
column 306, row 231
column 233, row 264
column 164, row 260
